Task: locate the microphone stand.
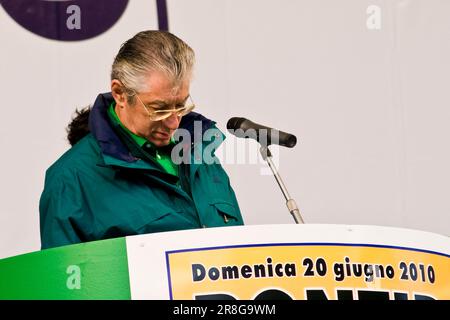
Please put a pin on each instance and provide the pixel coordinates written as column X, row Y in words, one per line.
column 290, row 203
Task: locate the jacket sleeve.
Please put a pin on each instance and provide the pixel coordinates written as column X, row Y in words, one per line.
column 59, row 210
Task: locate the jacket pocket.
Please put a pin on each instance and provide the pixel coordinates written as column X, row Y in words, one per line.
column 134, row 222
column 227, row 212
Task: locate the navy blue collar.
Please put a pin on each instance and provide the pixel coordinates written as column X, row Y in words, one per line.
column 109, row 141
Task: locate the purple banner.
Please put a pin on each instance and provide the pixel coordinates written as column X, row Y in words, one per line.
column 66, row 20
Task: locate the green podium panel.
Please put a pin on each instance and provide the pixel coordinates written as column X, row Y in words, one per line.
column 93, row 270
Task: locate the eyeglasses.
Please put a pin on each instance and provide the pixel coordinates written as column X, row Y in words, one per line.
column 158, row 115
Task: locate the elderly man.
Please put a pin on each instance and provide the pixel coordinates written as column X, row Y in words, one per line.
column 123, row 177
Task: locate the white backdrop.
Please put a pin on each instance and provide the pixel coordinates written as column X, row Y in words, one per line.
column 370, row 107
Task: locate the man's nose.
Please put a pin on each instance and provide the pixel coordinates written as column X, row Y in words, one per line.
column 172, row 122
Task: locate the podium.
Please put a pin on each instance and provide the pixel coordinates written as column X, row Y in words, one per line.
column 260, row 262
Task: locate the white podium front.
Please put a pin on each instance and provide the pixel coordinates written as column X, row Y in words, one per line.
column 290, row 262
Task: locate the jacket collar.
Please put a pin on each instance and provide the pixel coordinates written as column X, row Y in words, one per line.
column 110, row 143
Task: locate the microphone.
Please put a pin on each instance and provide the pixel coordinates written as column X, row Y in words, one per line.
column 244, row 128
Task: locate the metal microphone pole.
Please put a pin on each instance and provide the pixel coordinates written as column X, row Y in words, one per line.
column 290, row 203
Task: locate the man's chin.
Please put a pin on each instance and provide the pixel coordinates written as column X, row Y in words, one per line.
column 160, row 142
column 160, row 139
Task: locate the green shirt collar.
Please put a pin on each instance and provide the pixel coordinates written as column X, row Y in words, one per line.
column 139, row 140
column 163, row 158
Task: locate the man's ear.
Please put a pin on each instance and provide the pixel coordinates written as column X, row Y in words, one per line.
column 118, row 93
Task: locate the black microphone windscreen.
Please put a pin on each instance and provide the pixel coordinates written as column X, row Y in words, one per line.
column 291, row 141
column 244, row 128
column 234, row 123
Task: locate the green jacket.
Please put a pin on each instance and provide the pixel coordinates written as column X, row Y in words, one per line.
column 100, row 189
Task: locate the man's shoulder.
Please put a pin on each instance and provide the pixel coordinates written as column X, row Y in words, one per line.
column 81, row 156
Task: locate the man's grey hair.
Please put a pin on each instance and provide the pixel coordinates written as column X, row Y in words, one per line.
column 150, row 52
